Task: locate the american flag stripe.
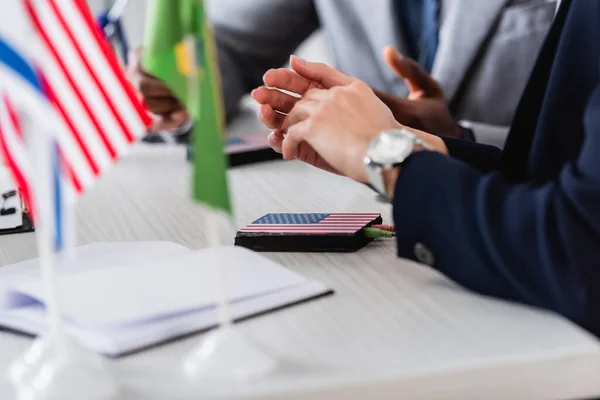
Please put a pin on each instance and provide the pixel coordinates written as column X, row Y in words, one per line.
column 300, row 227
column 13, row 149
column 97, row 52
column 313, row 232
column 61, row 55
column 12, row 145
column 17, row 76
column 64, row 53
column 13, row 118
column 330, row 224
column 13, row 139
column 89, row 51
column 303, row 232
column 321, row 224
column 72, row 143
column 111, row 58
column 98, row 110
column 85, row 140
column 352, row 215
column 73, row 178
column 75, row 112
column 111, row 112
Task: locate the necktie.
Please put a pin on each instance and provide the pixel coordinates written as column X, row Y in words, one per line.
column 419, row 20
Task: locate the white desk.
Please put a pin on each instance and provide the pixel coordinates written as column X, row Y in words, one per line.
column 393, row 330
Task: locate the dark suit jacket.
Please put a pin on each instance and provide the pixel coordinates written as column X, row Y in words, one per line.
column 523, row 224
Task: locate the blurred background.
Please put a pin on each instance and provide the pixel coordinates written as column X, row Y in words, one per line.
column 316, row 48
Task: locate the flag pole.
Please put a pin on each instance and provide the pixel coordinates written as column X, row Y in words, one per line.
column 54, row 358
column 190, row 71
column 114, row 14
column 38, row 157
column 116, row 11
column 224, row 314
column 40, row 150
column 227, row 352
column 69, row 252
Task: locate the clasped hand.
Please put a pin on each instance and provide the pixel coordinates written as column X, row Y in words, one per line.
column 329, row 119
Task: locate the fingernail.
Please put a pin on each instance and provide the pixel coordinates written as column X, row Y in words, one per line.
column 299, row 59
column 264, row 77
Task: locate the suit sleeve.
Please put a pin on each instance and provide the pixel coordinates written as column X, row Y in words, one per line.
column 255, row 35
column 484, row 158
column 535, row 244
column 493, row 135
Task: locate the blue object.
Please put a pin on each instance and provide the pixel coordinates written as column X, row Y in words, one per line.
column 20, row 66
column 232, row 141
column 419, row 21
column 290, row 218
column 58, row 198
column 118, row 34
column 522, row 224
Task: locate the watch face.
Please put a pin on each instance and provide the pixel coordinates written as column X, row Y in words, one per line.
column 391, row 147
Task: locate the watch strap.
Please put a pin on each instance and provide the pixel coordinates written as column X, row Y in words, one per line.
column 375, row 170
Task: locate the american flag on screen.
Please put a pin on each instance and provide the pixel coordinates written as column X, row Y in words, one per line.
column 310, row 224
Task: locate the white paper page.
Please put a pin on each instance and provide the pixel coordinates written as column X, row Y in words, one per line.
column 153, row 289
column 89, row 257
column 32, row 319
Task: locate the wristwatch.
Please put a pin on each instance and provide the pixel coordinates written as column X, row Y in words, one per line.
column 388, row 150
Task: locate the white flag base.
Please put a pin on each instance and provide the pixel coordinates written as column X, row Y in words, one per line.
column 227, row 354
column 53, row 369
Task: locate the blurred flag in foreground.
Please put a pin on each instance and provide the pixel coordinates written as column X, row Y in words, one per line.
column 12, row 147
column 98, row 112
column 179, row 50
column 59, row 76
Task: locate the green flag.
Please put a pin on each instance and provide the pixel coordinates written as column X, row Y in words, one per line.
column 179, row 49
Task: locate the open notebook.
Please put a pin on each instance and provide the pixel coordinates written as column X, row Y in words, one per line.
column 123, row 297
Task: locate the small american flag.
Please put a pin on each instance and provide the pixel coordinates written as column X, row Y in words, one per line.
column 59, row 75
column 310, row 224
column 98, row 113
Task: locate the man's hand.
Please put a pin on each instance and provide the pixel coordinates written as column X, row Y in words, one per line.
column 157, row 96
column 424, row 109
column 332, row 128
column 304, row 76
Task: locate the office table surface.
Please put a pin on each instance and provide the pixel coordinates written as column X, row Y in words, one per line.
column 394, row 329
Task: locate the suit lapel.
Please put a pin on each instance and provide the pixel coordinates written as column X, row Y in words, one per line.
column 466, row 25
column 465, row 29
column 525, row 123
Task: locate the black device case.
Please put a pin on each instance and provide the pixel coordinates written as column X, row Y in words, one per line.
column 282, row 242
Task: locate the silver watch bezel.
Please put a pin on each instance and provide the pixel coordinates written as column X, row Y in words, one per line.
column 374, row 168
